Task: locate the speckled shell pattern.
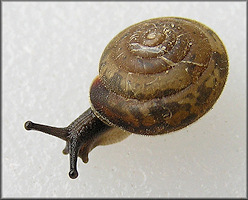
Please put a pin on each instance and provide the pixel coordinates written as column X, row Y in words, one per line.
column 159, row 75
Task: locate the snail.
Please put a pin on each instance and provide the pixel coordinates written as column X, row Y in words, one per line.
column 155, row 77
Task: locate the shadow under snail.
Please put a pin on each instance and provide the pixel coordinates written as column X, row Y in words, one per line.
column 155, row 77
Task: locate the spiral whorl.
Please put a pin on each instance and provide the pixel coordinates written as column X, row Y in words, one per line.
column 154, row 58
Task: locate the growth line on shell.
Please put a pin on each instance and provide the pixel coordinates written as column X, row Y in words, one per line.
column 119, row 55
column 151, row 82
column 154, row 25
column 180, row 35
column 133, row 37
column 128, row 82
column 194, row 63
column 169, row 62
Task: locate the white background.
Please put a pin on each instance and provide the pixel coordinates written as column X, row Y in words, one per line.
column 51, row 52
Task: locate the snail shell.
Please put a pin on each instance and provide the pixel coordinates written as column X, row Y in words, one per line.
column 159, row 75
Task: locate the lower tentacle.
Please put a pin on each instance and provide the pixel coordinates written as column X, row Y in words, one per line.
column 66, row 149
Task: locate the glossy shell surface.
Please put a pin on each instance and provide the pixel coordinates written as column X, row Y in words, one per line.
column 159, row 75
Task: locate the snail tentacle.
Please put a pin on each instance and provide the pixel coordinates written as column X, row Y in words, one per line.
column 81, row 136
column 57, row 132
column 74, row 146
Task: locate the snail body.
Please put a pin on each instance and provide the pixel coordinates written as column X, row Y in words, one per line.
column 155, row 77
